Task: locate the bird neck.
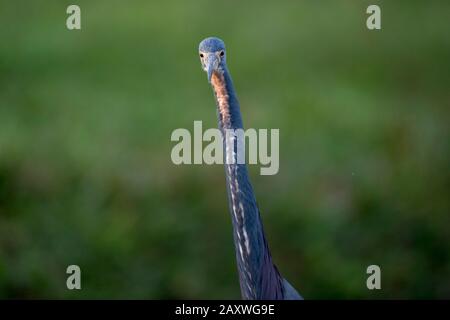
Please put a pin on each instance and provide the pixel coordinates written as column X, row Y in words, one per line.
column 227, row 103
column 257, row 274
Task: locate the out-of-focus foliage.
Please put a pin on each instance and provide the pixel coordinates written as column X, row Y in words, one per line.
column 85, row 124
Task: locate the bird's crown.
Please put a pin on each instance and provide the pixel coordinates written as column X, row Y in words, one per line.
column 211, row 44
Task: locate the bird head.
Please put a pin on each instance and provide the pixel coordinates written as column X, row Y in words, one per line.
column 212, row 56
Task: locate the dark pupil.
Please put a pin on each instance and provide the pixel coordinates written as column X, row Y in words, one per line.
column 221, row 53
column 201, row 55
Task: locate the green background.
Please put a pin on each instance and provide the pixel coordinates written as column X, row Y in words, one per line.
column 86, row 176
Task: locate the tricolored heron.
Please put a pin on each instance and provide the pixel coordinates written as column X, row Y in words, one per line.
column 258, row 276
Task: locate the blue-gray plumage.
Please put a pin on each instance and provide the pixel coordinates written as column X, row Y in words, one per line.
column 258, row 276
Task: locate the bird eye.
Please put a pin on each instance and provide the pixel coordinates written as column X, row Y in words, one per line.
column 222, row 53
column 201, row 55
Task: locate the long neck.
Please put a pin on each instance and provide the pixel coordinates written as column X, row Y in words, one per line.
column 259, row 278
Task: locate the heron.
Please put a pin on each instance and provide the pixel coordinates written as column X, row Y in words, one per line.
column 259, row 278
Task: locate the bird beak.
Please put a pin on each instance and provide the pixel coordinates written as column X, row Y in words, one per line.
column 212, row 63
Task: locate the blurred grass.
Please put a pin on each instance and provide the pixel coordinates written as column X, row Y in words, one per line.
column 85, row 124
